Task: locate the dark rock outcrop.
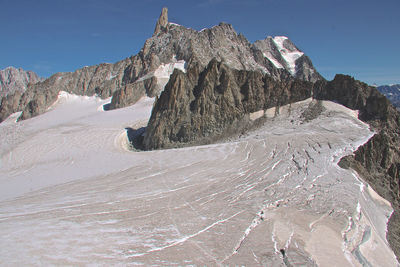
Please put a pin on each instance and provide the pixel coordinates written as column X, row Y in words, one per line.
column 202, row 106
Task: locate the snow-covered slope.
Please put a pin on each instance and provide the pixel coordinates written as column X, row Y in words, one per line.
column 289, row 53
column 283, row 54
column 72, row 193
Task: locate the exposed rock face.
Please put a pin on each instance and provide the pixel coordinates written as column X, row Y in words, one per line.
column 130, row 93
column 101, row 79
column 129, row 79
column 283, row 54
column 13, row 80
column 392, row 92
column 162, row 21
column 201, row 106
column 377, row 161
column 172, row 42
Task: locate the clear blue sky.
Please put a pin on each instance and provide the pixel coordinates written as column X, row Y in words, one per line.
column 356, row 37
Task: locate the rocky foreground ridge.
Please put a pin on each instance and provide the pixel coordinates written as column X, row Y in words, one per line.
column 139, row 75
column 199, row 107
column 16, row 80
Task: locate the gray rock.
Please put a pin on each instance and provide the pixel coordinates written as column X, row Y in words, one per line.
column 303, row 67
column 12, row 80
column 202, row 106
column 101, row 80
column 169, row 43
column 162, row 21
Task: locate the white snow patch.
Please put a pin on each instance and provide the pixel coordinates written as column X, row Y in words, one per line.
column 329, row 105
column 111, row 76
column 172, row 23
column 273, row 60
column 13, row 118
column 256, row 115
column 290, row 57
column 378, row 198
column 164, row 71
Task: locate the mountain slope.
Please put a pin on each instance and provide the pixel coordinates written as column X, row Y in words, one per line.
column 392, row 92
column 283, row 54
column 199, row 107
column 13, row 80
column 269, row 192
column 147, row 72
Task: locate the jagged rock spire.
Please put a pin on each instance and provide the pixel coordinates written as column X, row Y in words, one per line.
column 162, row 21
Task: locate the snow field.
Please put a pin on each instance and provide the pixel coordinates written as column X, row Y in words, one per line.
column 72, row 194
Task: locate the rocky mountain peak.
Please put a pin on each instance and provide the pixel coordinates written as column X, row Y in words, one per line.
column 162, row 21
column 16, row 80
column 171, row 46
column 283, row 54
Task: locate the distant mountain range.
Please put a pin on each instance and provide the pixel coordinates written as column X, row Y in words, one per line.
column 392, row 92
column 13, row 79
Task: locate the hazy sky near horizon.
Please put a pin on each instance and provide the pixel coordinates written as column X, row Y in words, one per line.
column 356, row 37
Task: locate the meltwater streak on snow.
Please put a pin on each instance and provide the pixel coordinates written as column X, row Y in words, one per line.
column 289, row 56
column 234, row 203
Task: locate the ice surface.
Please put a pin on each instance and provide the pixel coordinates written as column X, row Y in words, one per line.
column 72, row 194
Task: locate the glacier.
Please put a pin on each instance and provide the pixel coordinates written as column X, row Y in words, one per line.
column 73, row 193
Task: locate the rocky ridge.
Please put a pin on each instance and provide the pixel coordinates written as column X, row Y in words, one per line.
column 136, row 76
column 101, row 79
column 13, row 80
column 201, row 106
